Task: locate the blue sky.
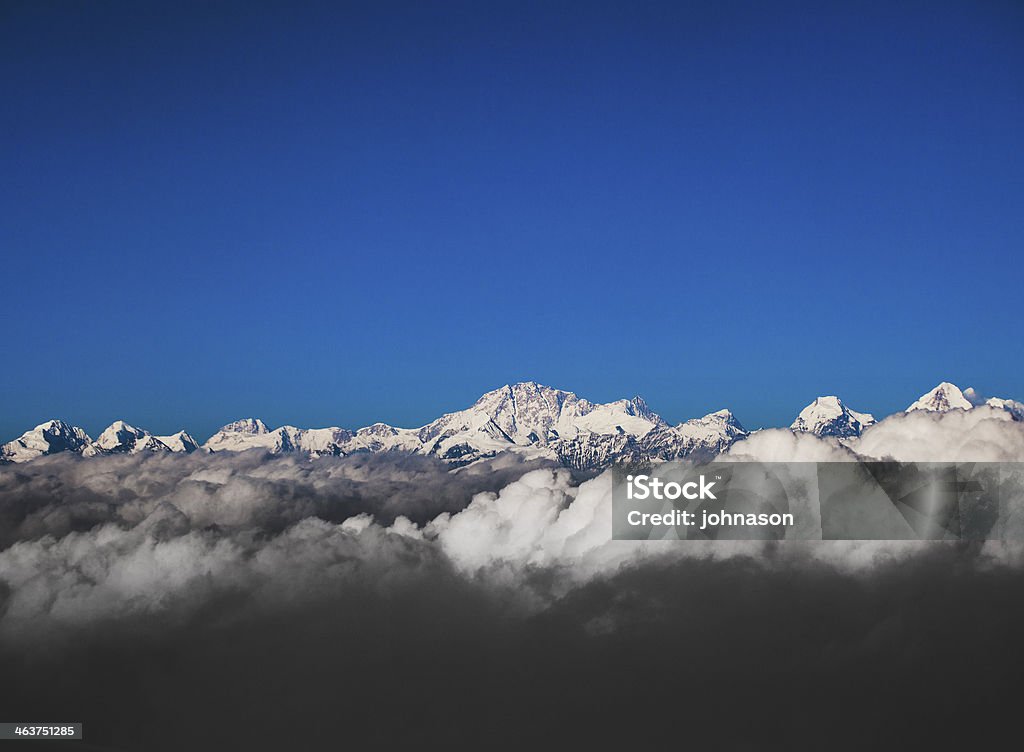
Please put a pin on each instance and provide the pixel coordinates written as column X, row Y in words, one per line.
column 342, row 214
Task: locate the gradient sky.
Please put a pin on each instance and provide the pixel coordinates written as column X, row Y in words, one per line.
column 344, row 214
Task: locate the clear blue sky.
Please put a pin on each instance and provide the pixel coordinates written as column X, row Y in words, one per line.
column 339, row 214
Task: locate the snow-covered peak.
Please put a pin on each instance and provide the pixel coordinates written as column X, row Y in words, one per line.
column 531, row 414
column 724, row 416
column 181, row 441
column 240, row 435
column 718, row 423
column 523, row 408
column 942, row 398
column 635, row 407
column 119, row 435
column 947, row 397
column 701, row 437
column 527, row 418
column 828, row 416
column 380, row 437
column 638, row 406
column 378, row 429
column 1015, row 408
column 252, row 426
column 321, row 441
column 47, row 438
column 122, row 438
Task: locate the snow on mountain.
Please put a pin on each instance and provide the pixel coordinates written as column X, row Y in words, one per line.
column 944, row 397
column 248, row 433
column 698, row 437
column 948, row 396
column 1015, row 408
column 527, row 418
column 121, row 438
column 46, row 438
column 249, row 426
column 595, row 450
column 380, row 437
column 251, row 433
column 828, row 416
column 517, row 417
column 181, row 441
column 528, row 414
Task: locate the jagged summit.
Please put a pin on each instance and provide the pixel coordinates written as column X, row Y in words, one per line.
column 528, row 418
column 181, row 441
column 638, row 406
column 944, row 397
column 828, row 416
column 947, row 396
column 531, row 415
column 251, row 426
column 47, row 438
column 122, row 438
column 701, row 437
column 724, row 414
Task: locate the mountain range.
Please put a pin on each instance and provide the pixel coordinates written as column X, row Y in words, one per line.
column 528, row 418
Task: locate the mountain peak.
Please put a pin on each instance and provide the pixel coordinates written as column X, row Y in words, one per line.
column 47, row 438
column 122, row 438
column 518, row 390
column 252, row 426
column 724, row 415
column 119, row 427
column 828, row 416
column 182, row 441
column 377, row 429
column 944, row 397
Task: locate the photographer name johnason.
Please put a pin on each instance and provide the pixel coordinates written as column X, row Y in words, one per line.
column 861, row 500
column 643, row 488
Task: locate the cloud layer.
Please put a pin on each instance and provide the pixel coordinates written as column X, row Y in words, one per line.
column 391, row 593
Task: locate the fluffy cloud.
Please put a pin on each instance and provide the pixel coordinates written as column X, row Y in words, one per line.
column 87, row 540
column 64, row 493
column 280, row 595
column 983, row 434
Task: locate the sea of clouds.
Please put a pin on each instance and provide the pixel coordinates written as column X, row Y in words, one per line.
column 93, row 539
column 282, row 587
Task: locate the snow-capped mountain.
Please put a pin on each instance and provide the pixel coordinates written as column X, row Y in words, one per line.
column 828, row 416
column 380, row 437
column 700, row 437
column 948, row 396
column 531, row 415
column 527, row 418
column 944, row 397
column 1015, row 408
column 46, row 438
column 248, row 433
column 252, row 433
column 181, row 441
column 122, row 438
